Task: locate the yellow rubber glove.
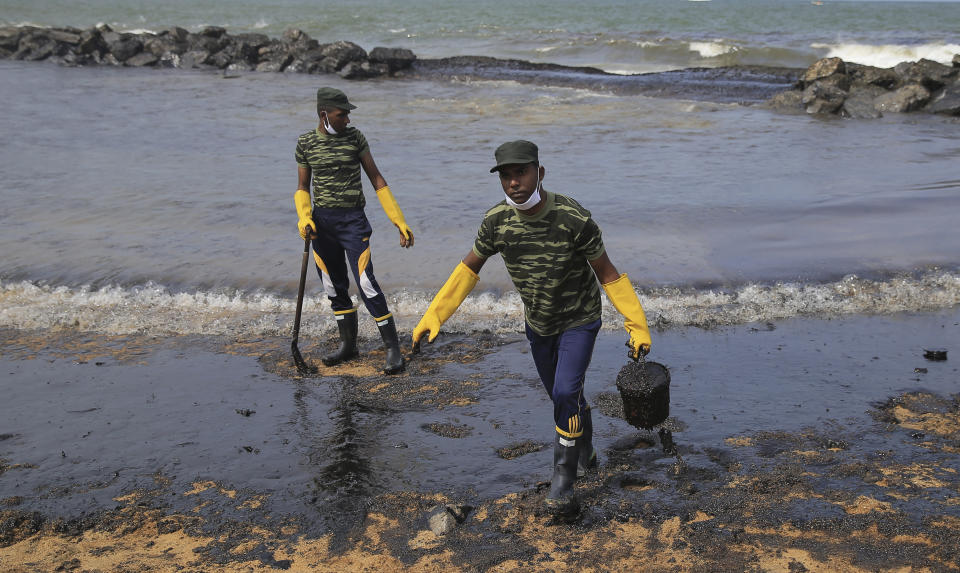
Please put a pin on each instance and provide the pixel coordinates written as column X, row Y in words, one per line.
column 304, row 212
column 624, row 298
column 446, row 302
column 392, row 210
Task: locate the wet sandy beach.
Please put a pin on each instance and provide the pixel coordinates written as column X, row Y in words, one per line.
column 802, row 445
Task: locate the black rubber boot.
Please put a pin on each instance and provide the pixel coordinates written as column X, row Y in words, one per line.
column 566, row 454
column 347, row 324
column 588, row 455
column 395, row 361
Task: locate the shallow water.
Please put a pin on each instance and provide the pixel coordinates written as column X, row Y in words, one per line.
column 88, row 430
column 180, row 180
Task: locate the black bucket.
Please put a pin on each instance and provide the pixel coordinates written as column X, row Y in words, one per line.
column 645, row 391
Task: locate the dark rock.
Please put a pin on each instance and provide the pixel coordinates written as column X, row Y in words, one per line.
column 10, row 38
column 91, row 42
column 246, row 47
column 824, row 68
column 442, row 522
column 908, row 98
column 213, row 32
column 195, row 59
column 339, row 54
column 273, row 65
column 947, row 102
column 176, row 34
column 169, row 60
column 162, row 45
column 68, row 36
column 363, row 70
column 869, row 75
column 860, row 103
column 273, row 58
column 789, row 101
column 821, row 97
column 142, row 59
column 396, row 59
column 126, row 47
column 931, row 75
column 221, row 59
column 296, row 66
column 36, row 45
column 299, row 40
column 200, row 42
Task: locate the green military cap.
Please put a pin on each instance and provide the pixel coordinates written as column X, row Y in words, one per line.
column 515, row 153
column 332, row 97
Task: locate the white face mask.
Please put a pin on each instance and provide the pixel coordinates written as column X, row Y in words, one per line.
column 327, row 127
column 529, row 203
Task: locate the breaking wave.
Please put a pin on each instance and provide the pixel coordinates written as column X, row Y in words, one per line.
column 888, row 56
column 155, row 310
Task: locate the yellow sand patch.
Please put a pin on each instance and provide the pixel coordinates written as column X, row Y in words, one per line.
column 378, row 387
column 918, row 475
column 202, row 486
column 864, row 504
column 700, row 516
column 740, row 441
column 781, row 560
column 934, row 423
column 426, row 539
column 253, row 503
column 358, row 370
column 789, row 532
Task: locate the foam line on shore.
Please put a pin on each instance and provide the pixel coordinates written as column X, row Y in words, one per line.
column 155, row 310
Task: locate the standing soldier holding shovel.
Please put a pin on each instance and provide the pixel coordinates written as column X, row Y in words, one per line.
column 331, row 157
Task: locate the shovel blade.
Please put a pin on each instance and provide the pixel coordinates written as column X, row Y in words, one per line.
column 298, row 360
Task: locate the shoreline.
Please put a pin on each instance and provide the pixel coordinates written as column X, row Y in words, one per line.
column 829, row 86
column 821, row 443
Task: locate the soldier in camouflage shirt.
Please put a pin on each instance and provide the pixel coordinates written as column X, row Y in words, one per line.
column 554, row 253
column 331, row 157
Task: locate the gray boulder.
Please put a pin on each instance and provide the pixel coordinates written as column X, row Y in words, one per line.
column 396, row 59
column 91, row 42
column 860, row 104
column 931, row 75
column 142, row 59
column 871, row 76
column 363, row 70
column 823, row 97
column 339, row 54
column 948, row 102
column 908, row 98
column 824, row 68
column 125, row 47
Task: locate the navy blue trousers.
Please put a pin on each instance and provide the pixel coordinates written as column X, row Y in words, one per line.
column 343, row 239
column 562, row 361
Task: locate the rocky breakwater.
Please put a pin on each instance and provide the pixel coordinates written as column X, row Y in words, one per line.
column 211, row 48
column 834, row 87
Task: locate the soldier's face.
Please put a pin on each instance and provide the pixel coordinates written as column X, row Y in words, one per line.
column 519, row 181
column 338, row 119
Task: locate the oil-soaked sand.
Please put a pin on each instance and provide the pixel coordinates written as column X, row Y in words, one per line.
column 805, row 445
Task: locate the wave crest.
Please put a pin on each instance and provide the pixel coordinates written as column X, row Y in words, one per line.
column 154, row 310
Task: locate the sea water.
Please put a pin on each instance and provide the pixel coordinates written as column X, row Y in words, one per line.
column 160, row 201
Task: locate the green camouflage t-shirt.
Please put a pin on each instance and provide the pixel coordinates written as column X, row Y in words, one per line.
column 334, row 161
column 547, row 258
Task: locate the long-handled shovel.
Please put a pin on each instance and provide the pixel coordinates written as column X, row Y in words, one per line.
column 302, row 366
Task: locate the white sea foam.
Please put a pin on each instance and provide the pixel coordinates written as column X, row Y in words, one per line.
column 713, row 49
column 889, row 55
column 154, row 310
